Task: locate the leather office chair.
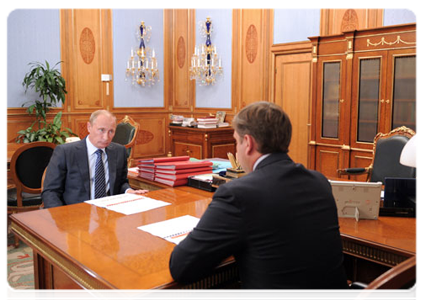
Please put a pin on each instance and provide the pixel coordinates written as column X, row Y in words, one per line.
column 402, row 276
column 27, row 166
column 386, row 156
column 126, row 134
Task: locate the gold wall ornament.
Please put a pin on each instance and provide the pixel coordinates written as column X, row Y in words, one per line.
column 384, row 42
column 206, row 66
column 142, row 65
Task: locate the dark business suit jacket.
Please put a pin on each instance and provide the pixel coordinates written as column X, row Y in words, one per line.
column 279, row 222
column 67, row 177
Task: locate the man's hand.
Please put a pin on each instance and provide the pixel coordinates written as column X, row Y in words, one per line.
column 138, row 192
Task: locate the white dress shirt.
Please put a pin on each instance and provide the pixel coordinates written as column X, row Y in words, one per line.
column 92, row 157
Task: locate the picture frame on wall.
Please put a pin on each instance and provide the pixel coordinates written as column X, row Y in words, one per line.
column 220, row 116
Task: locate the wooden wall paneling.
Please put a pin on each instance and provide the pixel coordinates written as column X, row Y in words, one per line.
column 151, row 139
column 253, row 48
column 291, row 86
column 169, row 63
column 90, row 33
column 183, row 46
column 335, row 21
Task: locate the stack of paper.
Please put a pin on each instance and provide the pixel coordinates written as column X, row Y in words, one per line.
column 127, row 203
column 172, row 230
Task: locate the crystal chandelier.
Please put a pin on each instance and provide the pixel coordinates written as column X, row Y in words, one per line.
column 206, row 67
column 142, row 65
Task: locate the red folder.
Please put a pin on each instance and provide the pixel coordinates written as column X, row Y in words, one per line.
column 181, row 176
column 183, row 171
column 162, row 159
column 172, row 182
column 183, row 165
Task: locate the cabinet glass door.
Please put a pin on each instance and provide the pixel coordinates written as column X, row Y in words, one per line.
column 404, row 93
column 331, row 95
column 368, row 99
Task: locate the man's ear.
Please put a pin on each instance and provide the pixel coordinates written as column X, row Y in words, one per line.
column 89, row 127
column 251, row 143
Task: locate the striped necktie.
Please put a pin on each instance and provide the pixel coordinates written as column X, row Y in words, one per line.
column 99, row 177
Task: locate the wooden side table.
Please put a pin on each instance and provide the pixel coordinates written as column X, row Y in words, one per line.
column 202, row 143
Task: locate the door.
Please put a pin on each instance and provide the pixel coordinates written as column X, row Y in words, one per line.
column 293, row 94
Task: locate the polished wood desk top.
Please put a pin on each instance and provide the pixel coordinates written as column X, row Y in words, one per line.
column 394, row 232
column 107, row 244
column 106, row 250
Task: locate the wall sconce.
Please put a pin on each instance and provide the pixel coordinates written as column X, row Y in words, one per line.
column 206, row 67
column 142, row 65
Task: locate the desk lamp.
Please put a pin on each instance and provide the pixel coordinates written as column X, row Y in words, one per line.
column 410, row 155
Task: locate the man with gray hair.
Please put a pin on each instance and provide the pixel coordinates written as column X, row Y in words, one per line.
column 279, row 221
column 91, row 168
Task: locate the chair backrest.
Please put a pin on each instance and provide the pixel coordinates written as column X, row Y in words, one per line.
column 402, row 276
column 387, row 150
column 28, row 164
column 126, row 133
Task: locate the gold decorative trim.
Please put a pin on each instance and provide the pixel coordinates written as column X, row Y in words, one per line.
column 384, row 42
column 346, row 147
column 312, row 143
column 350, row 56
column 381, row 256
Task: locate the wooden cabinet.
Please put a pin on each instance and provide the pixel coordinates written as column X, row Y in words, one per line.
column 364, row 82
column 202, row 143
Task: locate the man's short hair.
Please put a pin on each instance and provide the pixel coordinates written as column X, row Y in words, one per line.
column 96, row 113
column 267, row 123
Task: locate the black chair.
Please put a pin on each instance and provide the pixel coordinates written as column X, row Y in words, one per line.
column 402, row 276
column 387, row 150
column 126, row 134
column 27, row 166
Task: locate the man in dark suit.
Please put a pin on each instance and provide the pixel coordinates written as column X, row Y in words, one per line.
column 279, row 221
column 71, row 174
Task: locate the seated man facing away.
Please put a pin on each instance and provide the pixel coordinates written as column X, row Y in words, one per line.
column 279, row 221
column 91, row 168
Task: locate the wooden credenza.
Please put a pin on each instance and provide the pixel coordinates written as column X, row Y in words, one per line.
column 364, row 82
column 201, row 143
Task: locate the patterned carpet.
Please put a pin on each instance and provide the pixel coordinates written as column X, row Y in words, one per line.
column 20, row 265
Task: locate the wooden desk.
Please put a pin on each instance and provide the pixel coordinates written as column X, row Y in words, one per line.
column 201, row 143
column 86, row 246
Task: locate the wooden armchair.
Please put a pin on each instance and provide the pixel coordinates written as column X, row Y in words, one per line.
column 402, row 276
column 386, row 157
column 126, row 134
column 27, row 166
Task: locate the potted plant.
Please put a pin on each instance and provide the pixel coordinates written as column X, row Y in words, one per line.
column 51, row 86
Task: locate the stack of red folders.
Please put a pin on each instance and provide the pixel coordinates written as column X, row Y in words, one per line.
column 146, row 167
column 177, row 173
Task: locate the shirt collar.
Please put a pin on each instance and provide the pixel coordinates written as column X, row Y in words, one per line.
column 259, row 160
column 90, row 147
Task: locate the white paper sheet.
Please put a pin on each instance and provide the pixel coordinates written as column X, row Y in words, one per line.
column 128, row 203
column 173, row 230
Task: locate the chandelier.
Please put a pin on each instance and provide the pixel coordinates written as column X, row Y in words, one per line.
column 206, row 67
column 142, row 65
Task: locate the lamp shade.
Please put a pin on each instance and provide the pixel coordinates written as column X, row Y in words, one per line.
column 408, row 154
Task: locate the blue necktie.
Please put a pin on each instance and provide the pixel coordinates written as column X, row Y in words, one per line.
column 99, row 177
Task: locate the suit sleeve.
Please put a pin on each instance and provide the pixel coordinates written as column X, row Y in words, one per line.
column 217, row 236
column 54, row 181
column 122, row 175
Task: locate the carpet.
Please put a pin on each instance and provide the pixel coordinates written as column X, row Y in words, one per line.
column 20, row 265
